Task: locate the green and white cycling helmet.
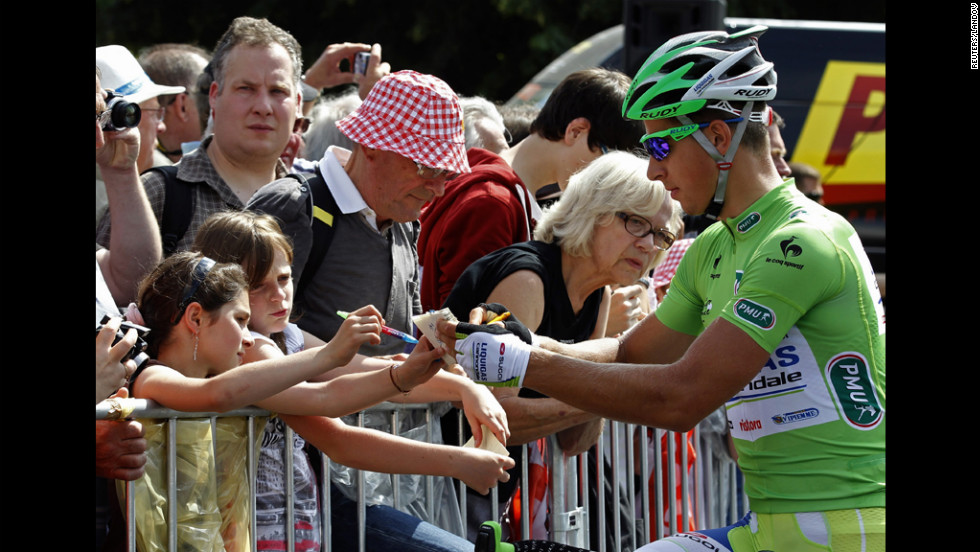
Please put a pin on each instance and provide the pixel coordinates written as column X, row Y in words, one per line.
column 702, row 70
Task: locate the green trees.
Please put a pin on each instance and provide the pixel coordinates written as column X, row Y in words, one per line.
column 485, row 47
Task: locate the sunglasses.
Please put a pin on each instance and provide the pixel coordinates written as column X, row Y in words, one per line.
column 658, row 145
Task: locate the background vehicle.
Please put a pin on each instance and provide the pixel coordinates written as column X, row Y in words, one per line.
column 831, row 78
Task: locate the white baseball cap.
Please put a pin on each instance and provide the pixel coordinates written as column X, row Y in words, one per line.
column 124, row 75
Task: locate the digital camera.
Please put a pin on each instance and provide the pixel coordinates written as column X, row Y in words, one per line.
column 361, row 62
column 119, row 114
column 138, row 351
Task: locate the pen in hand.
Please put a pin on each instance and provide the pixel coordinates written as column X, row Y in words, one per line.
column 386, row 330
column 500, row 318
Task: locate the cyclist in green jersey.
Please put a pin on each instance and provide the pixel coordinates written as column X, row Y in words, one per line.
column 774, row 313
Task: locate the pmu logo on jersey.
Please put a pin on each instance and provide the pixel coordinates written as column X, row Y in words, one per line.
column 758, row 315
column 748, row 222
column 850, row 377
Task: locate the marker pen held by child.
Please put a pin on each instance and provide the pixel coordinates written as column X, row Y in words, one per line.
column 386, row 330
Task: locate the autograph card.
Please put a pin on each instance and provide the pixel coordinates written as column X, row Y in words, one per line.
column 426, row 323
column 490, row 442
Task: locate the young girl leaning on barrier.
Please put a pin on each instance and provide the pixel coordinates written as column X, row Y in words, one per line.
column 197, row 311
column 256, row 243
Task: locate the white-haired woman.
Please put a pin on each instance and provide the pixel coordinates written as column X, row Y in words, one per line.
column 611, row 226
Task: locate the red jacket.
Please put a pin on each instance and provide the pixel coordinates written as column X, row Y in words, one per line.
column 480, row 212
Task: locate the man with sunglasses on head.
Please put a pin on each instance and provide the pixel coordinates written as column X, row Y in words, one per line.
column 773, row 312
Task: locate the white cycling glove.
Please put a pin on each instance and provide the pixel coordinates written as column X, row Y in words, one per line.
column 494, row 355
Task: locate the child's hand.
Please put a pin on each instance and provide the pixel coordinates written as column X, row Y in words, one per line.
column 480, row 469
column 421, row 365
column 482, row 409
column 362, row 326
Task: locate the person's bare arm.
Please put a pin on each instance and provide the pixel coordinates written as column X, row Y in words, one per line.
column 674, row 396
column 373, row 450
column 134, row 246
column 533, row 418
column 327, row 73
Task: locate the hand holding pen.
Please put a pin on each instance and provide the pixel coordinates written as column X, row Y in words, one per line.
column 361, row 328
column 386, row 330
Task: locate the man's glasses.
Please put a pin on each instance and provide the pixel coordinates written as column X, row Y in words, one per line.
column 657, row 144
column 431, row 173
column 640, row 227
column 155, row 113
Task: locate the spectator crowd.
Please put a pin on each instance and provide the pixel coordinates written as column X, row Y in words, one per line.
column 277, row 228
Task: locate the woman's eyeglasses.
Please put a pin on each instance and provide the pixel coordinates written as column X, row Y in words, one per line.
column 640, row 227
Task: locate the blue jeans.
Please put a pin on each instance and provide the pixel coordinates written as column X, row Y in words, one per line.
column 388, row 529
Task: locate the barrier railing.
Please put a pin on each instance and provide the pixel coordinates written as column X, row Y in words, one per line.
column 707, row 492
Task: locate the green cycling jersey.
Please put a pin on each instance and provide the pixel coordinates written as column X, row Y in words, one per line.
column 809, row 429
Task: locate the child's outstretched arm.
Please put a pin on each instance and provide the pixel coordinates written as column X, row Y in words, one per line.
column 477, row 401
column 354, row 392
column 246, row 385
column 373, row 450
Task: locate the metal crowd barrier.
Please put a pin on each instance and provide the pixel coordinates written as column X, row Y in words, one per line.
column 710, row 491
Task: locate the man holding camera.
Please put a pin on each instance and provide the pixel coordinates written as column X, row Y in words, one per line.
column 122, row 74
column 119, row 445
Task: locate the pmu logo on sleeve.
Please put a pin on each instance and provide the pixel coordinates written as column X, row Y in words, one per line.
column 850, row 377
column 758, row 315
